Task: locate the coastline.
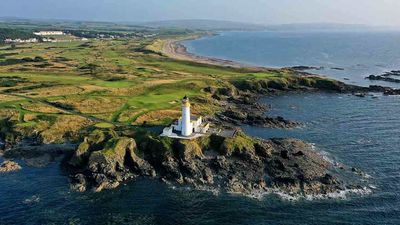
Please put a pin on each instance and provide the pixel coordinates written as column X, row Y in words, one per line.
column 93, row 165
column 174, row 48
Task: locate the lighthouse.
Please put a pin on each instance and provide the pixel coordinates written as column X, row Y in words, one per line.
column 187, row 128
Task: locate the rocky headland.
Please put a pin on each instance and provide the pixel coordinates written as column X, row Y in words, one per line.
column 105, row 158
column 237, row 164
column 234, row 164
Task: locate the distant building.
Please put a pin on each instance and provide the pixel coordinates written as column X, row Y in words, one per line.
column 30, row 40
column 48, row 33
column 187, row 127
column 48, row 40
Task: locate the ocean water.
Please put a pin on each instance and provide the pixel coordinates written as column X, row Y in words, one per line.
column 359, row 54
column 359, row 132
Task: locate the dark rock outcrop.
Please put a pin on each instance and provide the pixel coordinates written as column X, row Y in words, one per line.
column 302, row 82
column 104, row 167
column 255, row 118
column 391, row 76
column 383, row 78
column 337, row 68
column 243, row 108
column 239, row 164
column 78, row 182
column 8, row 136
column 303, row 68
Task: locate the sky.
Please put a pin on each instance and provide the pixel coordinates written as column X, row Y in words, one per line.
column 370, row 12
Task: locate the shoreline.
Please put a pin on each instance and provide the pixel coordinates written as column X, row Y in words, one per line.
column 174, row 48
column 94, row 165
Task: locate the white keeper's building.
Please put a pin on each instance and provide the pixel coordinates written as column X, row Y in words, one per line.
column 187, row 127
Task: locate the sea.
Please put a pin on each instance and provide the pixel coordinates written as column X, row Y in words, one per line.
column 358, row 132
column 344, row 55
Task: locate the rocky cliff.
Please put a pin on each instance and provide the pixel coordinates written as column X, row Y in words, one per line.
column 238, row 164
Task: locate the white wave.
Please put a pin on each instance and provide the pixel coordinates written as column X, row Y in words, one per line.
column 286, row 196
column 326, row 156
column 260, row 194
column 340, row 194
column 373, row 187
column 214, row 191
column 367, row 176
column 343, row 194
column 31, row 200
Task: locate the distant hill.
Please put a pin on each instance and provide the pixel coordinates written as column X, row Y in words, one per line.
column 319, row 26
column 228, row 26
column 204, row 25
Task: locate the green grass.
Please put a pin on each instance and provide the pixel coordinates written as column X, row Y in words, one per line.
column 113, row 84
column 27, row 124
column 143, row 82
column 117, row 113
column 104, row 125
column 50, row 77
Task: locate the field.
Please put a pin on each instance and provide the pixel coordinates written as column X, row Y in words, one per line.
column 104, row 83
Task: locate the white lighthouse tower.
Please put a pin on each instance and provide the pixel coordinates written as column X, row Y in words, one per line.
column 187, row 128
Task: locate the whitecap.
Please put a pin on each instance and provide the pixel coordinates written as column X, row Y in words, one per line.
column 327, row 157
column 367, row 176
column 32, row 200
column 373, row 187
column 343, row 194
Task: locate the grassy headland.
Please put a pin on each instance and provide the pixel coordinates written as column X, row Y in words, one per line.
column 54, row 90
column 102, row 92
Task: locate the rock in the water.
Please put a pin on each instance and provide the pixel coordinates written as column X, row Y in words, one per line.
column 78, row 182
column 9, row 166
column 237, row 114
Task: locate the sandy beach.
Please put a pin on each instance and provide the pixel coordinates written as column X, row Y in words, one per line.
column 175, row 49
